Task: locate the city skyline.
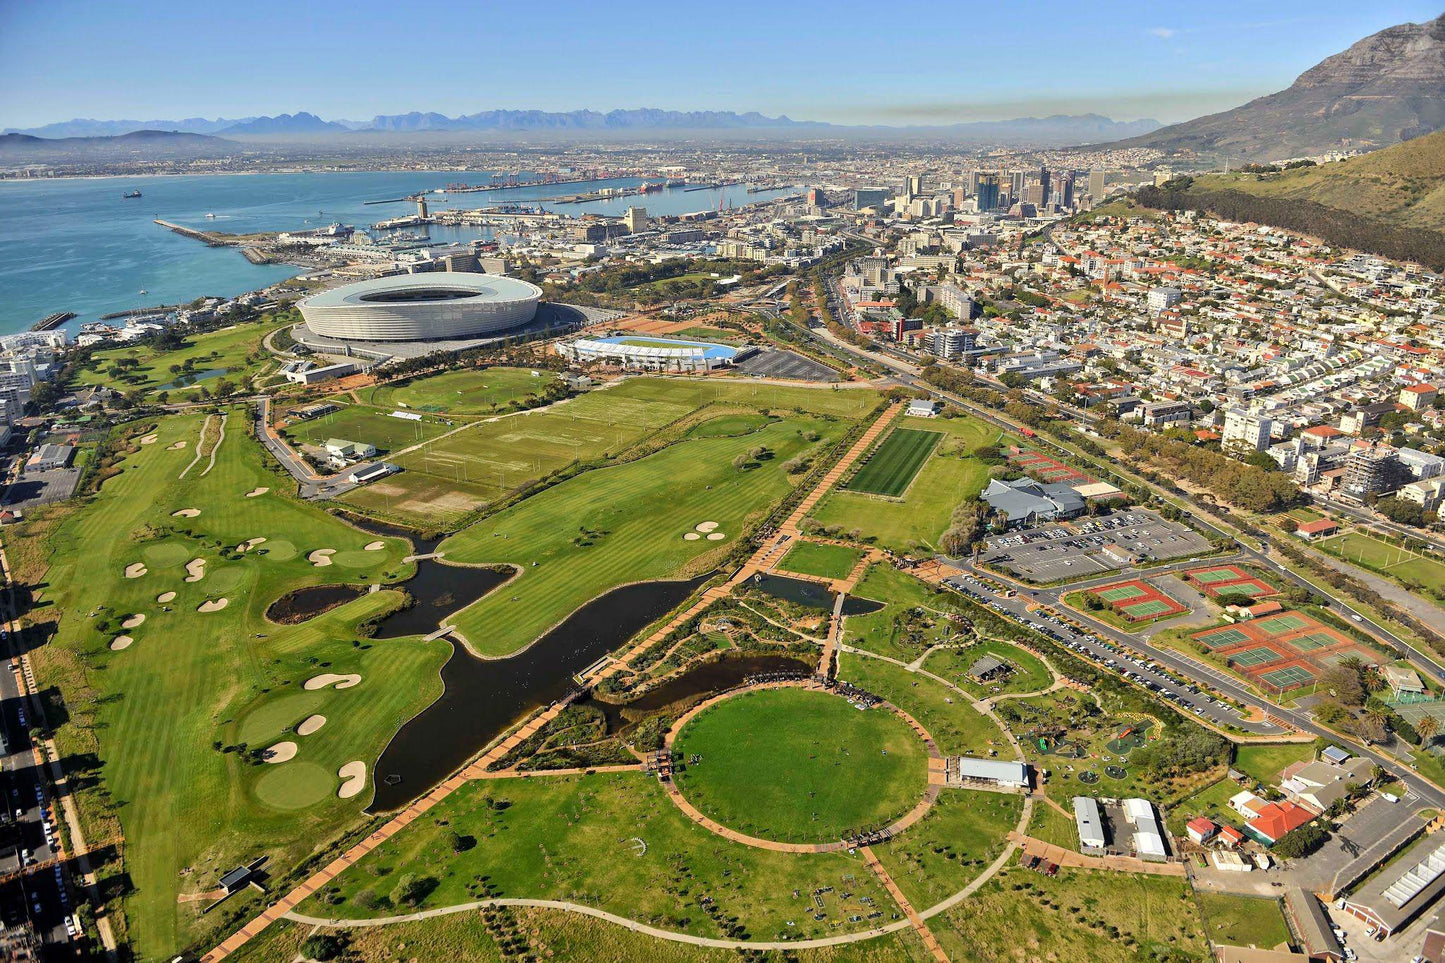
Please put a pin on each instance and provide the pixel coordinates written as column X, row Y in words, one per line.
column 267, row 59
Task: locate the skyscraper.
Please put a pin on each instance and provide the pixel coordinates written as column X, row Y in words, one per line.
column 914, row 187
column 1096, row 185
column 1043, row 186
column 987, row 191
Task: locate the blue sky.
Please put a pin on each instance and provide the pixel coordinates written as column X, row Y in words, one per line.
column 901, row 62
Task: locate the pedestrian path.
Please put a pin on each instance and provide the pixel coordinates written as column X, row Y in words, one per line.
column 929, row 940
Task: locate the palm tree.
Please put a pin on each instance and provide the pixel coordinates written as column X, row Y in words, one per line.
column 1429, row 728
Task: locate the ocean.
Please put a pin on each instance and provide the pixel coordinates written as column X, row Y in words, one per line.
column 73, row 244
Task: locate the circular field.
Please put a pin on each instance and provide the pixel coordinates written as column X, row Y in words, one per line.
column 800, row 766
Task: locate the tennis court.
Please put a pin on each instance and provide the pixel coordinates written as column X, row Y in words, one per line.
column 1222, row 638
column 1278, row 625
column 1314, row 640
column 1289, row 677
column 1121, row 593
column 1219, row 580
column 1209, row 576
column 1146, row 609
column 1247, row 658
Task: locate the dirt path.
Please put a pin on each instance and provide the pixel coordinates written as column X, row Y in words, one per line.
column 914, row 919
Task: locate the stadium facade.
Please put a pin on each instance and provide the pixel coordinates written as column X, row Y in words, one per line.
column 421, row 307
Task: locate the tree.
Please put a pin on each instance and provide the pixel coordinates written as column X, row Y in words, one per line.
column 1428, row 728
column 323, row 946
column 1298, row 843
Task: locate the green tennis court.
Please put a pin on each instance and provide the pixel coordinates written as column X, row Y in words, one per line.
column 1144, row 610
column 1282, row 624
column 1211, row 575
column 1288, row 677
column 1221, row 638
column 1252, row 657
column 1120, row 593
column 1314, row 640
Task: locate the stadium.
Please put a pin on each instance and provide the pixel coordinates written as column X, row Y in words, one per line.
column 421, row 307
column 654, row 354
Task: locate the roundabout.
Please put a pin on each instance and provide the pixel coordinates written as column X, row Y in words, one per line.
column 799, row 768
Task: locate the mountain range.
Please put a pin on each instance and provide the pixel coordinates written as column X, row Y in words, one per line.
column 1387, row 88
column 1055, row 130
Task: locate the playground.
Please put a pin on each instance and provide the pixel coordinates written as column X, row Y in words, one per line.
column 1282, row 652
column 1078, row 744
column 1221, row 580
column 1138, row 601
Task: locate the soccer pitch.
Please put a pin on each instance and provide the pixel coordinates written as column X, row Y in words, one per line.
column 891, row 469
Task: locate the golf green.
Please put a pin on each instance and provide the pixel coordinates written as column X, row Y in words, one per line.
column 796, row 765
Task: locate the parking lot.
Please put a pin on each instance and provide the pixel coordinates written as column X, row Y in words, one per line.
column 1091, row 546
column 772, row 363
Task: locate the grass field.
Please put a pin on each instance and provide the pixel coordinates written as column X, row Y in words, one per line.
column 891, row 468
column 917, row 520
column 156, row 716
column 470, row 392
column 957, row 727
column 824, row 561
column 799, row 766
column 371, row 425
column 1387, row 559
column 611, row 841
column 455, row 475
column 912, row 617
column 224, row 348
column 1029, row 672
column 1243, row 920
column 952, row 845
column 613, row 526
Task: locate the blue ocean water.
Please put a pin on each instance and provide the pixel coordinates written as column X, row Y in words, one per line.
column 75, row 245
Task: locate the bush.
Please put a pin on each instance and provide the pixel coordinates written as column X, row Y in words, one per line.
column 323, row 946
column 1298, row 843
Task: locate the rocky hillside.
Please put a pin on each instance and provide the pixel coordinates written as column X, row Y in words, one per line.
column 1387, row 88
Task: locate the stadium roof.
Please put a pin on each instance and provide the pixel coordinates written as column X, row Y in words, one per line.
column 449, row 285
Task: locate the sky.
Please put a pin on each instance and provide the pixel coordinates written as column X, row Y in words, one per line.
column 897, row 63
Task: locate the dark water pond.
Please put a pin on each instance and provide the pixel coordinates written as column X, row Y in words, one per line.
column 301, row 604
column 485, row 696
column 702, row 680
column 811, row 594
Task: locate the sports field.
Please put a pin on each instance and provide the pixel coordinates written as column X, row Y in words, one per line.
column 1138, row 601
column 824, row 561
column 454, row 475
column 1283, row 651
column 799, row 766
column 476, row 391
column 161, row 719
column 627, row 523
column 373, row 426
column 915, row 521
column 1391, row 560
column 1224, row 580
column 891, row 467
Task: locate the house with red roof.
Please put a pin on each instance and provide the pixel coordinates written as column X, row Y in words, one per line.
column 1320, row 528
column 1276, row 819
column 1201, row 830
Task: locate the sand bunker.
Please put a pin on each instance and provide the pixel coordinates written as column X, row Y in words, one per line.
column 715, row 536
column 149, row 440
column 120, row 642
column 707, row 526
column 310, row 724
column 331, row 678
column 353, row 779
column 135, row 569
column 165, row 597
column 176, row 447
column 186, row 513
column 280, row 752
column 321, row 557
column 250, row 543
column 691, row 536
column 374, row 546
column 132, row 621
column 213, row 606
column 195, row 570
column 257, row 491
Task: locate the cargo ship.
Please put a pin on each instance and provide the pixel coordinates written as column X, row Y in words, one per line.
column 129, row 194
column 649, row 188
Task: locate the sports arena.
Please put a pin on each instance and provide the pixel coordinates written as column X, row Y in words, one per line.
column 421, row 307
column 642, row 353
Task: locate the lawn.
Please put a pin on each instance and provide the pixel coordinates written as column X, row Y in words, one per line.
column 1264, row 761
column 915, row 521
column 952, row 845
column 1029, row 674
column 1243, row 920
column 627, row 523
column 799, row 766
column 824, row 561
column 162, row 720
column 226, row 348
column 474, row 391
column 1079, row 915
column 360, row 423
column 890, row 469
column 1399, row 563
column 914, row 616
column 956, row 726
column 453, row 476
column 611, row 841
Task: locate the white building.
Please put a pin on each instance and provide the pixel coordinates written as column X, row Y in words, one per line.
column 1089, row 821
column 1247, row 430
column 1162, row 299
column 1148, row 836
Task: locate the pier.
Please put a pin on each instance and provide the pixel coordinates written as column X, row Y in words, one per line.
column 52, row 321
column 211, row 238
